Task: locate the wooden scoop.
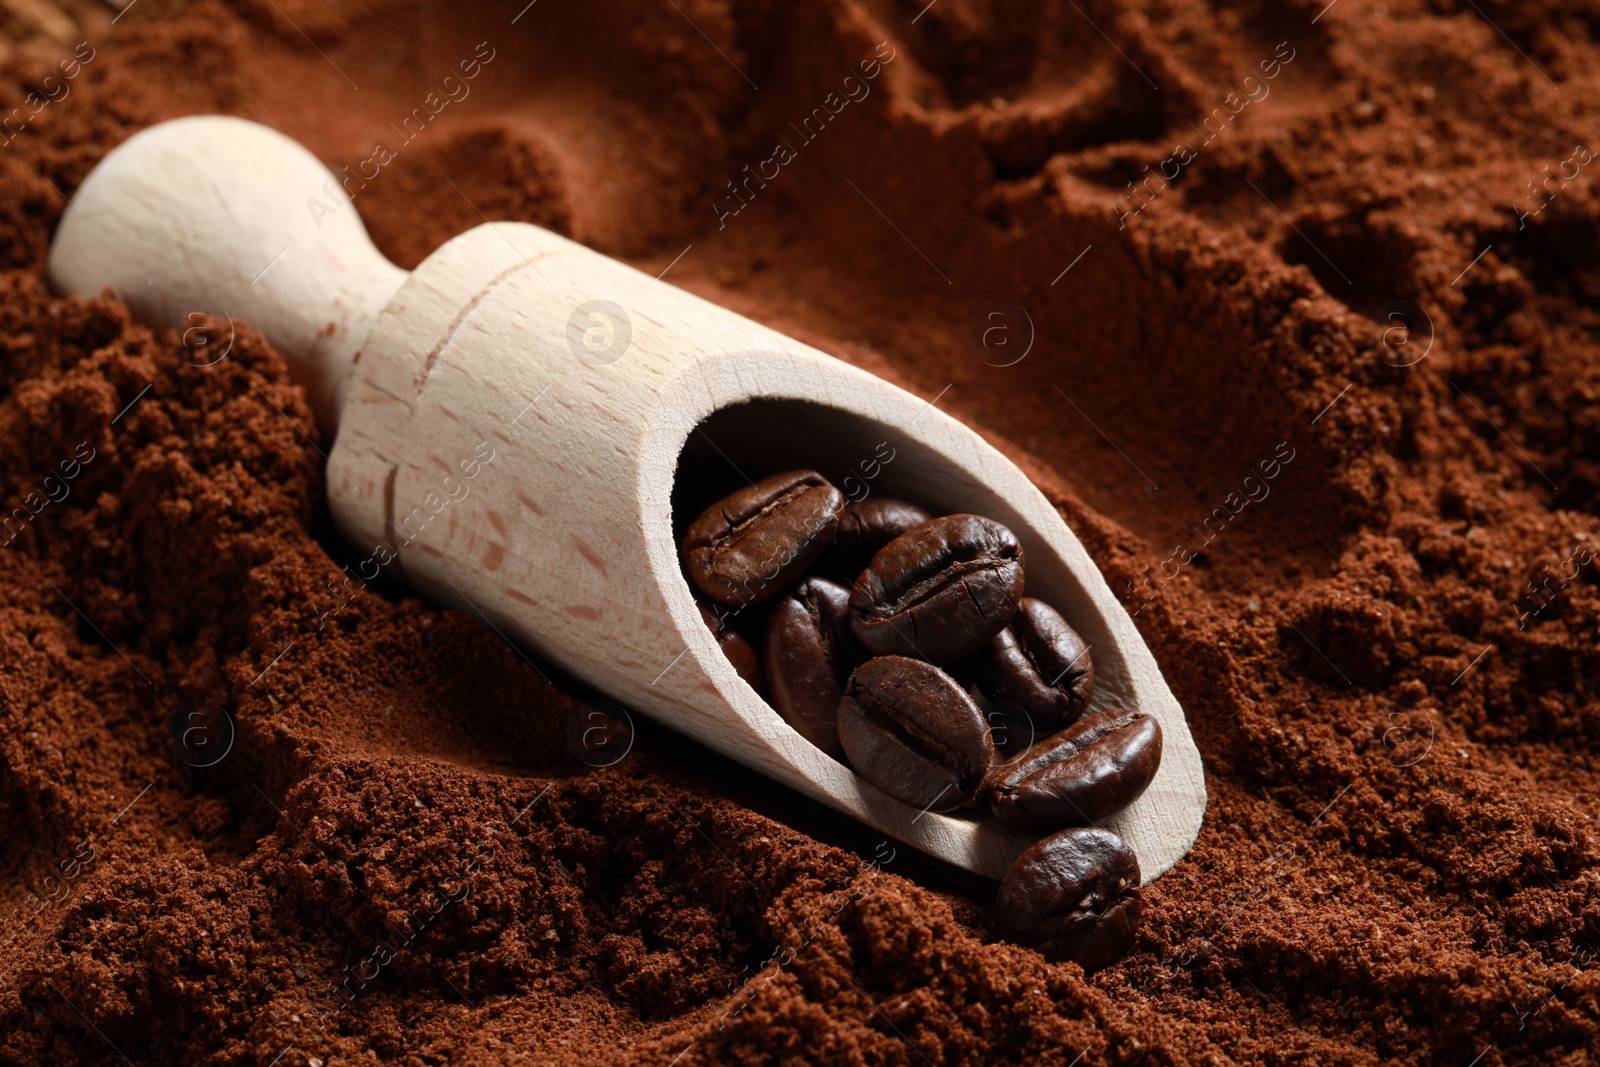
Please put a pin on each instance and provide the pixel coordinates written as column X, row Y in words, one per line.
column 508, row 421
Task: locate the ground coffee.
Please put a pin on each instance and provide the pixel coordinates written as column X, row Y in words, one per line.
column 1323, row 409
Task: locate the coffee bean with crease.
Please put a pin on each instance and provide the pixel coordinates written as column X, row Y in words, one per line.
column 940, row 591
column 809, row 655
column 735, row 646
column 913, row 732
column 1040, row 664
column 1089, row 771
column 1073, row 897
column 867, row 525
column 746, row 547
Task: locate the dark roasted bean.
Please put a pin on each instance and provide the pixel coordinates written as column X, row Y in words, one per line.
column 1040, row 664
column 1087, row 772
column 910, row 730
column 809, row 655
column 1073, row 896
column 746, row 547
column 739, row 651
column 867, row 525
column 939, row 591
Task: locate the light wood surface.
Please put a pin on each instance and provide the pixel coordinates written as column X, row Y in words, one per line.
column 521, row 461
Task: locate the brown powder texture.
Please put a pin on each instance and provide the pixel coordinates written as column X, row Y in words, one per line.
column 1386, row 649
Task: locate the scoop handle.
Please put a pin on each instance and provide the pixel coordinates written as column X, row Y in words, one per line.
column 223, row 216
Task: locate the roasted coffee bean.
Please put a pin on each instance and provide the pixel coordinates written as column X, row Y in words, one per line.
column 1074, row 896
column 867, row 525
column 746, row 547
column 910, row 730
column 1085, row 773
column 809, row 654
column 1040, row 664
column 939, row 591
column 734, row 645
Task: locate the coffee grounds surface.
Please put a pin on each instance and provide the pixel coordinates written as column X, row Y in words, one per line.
column 1317, row 390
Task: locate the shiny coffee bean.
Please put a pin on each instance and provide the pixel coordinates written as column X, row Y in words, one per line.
column 910, row 730
column 739, row 651
column 809, row 654
column 1086, row 773
column 746, row 547
column 867, row 525
column 1040, row 664
column 939, row 591
column 1073, row 896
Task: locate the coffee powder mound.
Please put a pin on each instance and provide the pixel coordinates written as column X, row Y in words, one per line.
column 1295, row 325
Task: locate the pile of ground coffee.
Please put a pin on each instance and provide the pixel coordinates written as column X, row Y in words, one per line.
column 1163, row 254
